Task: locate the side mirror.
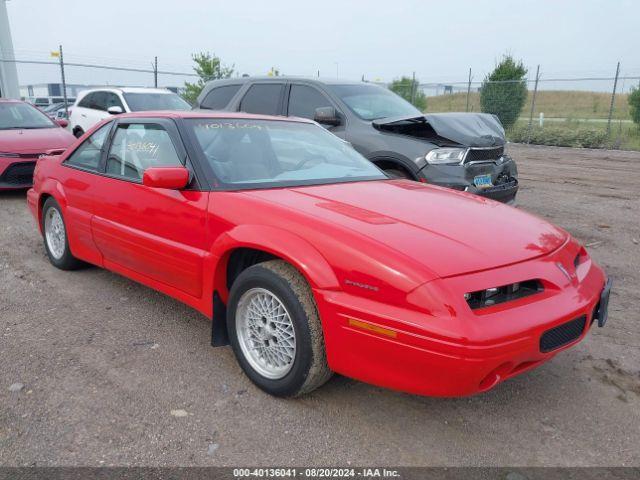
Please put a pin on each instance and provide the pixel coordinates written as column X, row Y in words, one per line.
column 173, row 178
column 62, row 122
column 327, row 116
column 115, row 110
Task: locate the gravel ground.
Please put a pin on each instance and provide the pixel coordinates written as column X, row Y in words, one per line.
column 98, row 370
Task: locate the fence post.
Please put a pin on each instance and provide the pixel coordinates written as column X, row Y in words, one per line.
column 613, row 98
column 533, row 104
column 468, row 89
column 64, row 83
column 413, row 89
column 155, row 72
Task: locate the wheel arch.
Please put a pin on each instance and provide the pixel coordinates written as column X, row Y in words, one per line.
column 247, row 245
column 384, row 160
column 51, row 189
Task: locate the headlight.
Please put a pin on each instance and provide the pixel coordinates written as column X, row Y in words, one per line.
column 444, row 156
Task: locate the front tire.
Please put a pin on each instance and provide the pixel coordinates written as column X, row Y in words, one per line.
column 397, row 173
column 275, row 330
column 56, row 241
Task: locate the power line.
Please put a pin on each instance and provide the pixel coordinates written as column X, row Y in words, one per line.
column 103, row 67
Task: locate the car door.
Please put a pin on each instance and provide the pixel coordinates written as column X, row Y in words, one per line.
column 112, row 99
column 153, row 233
column 304, row 99
column 98, row 110
column 81, row 113
column 77, row 179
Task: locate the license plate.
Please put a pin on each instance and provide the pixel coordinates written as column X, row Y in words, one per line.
column 482, row 181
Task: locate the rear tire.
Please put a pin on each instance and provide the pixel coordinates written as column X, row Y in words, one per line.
column 56, row 241
column 275, row 330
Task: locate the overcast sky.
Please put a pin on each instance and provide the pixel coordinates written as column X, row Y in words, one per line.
column 439, row 40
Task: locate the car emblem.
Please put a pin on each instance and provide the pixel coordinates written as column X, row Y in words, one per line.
column 564, row 270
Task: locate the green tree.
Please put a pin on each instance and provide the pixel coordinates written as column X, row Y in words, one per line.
column 406, row 88
column 207, row 67
column 634, row 105
column 504, row 91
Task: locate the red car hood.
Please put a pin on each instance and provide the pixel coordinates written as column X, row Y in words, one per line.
column 448, row 232
column 36, row 140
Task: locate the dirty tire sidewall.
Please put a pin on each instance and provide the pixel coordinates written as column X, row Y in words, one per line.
column 310, row 369
column 67, row 261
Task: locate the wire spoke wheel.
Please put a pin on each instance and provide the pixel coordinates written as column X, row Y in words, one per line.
column 55, row 233
column 265, row 332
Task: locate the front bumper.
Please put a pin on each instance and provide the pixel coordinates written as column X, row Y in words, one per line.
column 468, row 351
column 16, row 173
column 504, row 177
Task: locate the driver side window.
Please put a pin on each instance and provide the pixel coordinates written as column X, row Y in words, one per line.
column 138, row 146
column 303, row 101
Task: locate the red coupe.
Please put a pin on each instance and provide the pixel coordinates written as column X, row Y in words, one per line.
column 310, row 260
column 25, row 134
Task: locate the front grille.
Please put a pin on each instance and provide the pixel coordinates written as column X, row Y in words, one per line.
column 18, row 174
column 562, row 334
column 483, row 154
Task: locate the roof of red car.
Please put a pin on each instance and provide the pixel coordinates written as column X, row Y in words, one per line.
column 211, row 114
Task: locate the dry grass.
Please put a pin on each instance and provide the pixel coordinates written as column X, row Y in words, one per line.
column 553, row 103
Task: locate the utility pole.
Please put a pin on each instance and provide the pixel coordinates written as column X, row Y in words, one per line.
column 64, row 84
column 155, row 72
column 9, row 87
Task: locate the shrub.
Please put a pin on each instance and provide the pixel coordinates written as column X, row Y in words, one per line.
column 559, row 136
column 404, row 87
column 207, row 67
column 634, row 105
column 504, row 91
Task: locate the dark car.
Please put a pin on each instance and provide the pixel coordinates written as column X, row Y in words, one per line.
column 463, row 151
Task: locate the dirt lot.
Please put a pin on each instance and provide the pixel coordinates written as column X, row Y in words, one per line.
column 105, row 361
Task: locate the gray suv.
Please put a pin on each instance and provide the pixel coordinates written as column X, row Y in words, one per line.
column 463, row 151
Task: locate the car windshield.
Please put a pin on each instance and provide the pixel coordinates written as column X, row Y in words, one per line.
column 371, row 102
column 18, row 116
column 245, row 153
column 140, row 102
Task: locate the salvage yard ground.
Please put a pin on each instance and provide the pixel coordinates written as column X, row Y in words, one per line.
column 112, row 373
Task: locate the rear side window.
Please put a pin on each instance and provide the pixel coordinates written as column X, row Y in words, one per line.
column 87, row 155
column 86, row 101
column 262, row 98
column 219, row 98
column 136, row 147
column 303, row 101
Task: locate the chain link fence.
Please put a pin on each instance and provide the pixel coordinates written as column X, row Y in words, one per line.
column 580, row 111
column 576, row 111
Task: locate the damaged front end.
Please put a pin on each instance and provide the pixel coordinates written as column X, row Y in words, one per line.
column 466, row 152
